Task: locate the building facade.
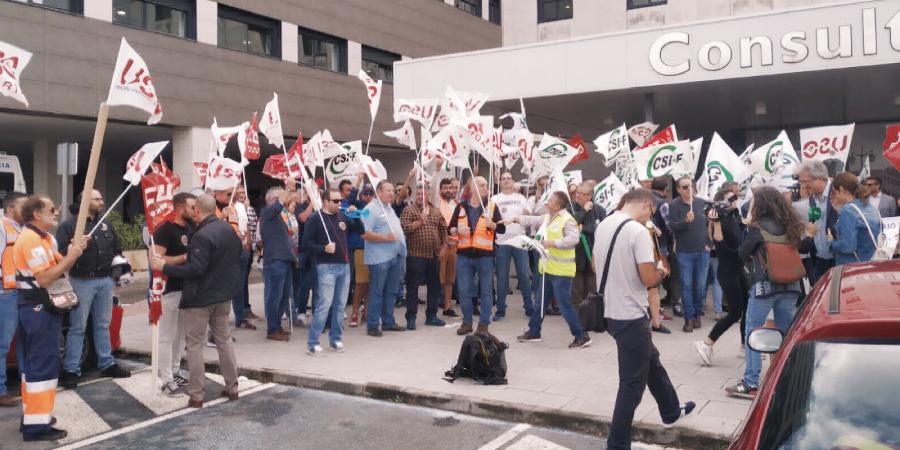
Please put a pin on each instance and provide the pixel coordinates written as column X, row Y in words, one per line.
column 219, row 60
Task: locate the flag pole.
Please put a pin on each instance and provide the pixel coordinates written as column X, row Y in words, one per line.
column 371, row 126
column 109, row 210
column 154, row 335
column 88, row 188
column 310, row 194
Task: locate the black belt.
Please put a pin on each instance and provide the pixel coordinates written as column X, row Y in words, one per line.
column 91, row 275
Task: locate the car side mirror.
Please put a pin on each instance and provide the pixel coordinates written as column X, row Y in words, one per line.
column 765, row 340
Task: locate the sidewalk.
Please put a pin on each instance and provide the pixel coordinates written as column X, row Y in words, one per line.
column 548, row 383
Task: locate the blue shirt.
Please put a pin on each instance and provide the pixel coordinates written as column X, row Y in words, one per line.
column 377, row 252
column 853, row 239
column 276, row 240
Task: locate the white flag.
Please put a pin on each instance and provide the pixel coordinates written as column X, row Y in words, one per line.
column 223, row 135
column 518, row 118
column 373, row 92
column 823, row 143
column 608, row 192
column 641, row 132
column 465, row 104
column 140, row 161
column 270, row 126
column 12, row 62
column 404, row 135
column 613, row 144
column 673, row 158
column 421, row 110
column 572, row 177
column 553, row 154
column 557, row 184
column 374, row 169
column 766, row 161
column 696, row 148
column 132, row 85
column 312, row 191
column 723, row 165
column 346, row 165
column 327, row 146
column 223, row 173
column 789, row 165
column 703, row 187
column 865, row 171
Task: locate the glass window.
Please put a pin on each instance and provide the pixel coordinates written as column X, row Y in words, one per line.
column 472, row 7
column 551, row 10
column 836, row 395
column 379, row 64
column 72, row 6
column 634, row 4
column 494, row 11
column 174, row 17
column 248, row 32
column 323, row 51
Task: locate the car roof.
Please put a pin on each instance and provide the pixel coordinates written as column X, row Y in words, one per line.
column 873, row 287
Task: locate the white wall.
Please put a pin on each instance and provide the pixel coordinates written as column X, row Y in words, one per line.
column 208, row 22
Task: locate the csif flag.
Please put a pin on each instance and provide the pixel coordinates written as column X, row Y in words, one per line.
column 132, row 84
column 608, row 192
column 672, row 158
column 723, row 165
column 613, row 144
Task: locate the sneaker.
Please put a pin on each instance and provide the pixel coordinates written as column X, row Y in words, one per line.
column 435, row 322
column 115, row 371
column 742, row 390
column 686, row 409
column 499, row 316
column 374, row 332
column 50, row 434
column 678, row 310
column 449, row 312
column 315, row 350
column 171, row 389
column 338, row 346
column 354, row 321
column 705, row 351
column 584, row 342
column 8, row 401
column 393, row 327
column 465, row 328
column 250, row 315
column 664, row 316
column 276, row 336
column 529, row 337
column 245, row 324
column 68, row 380
column 181, row 378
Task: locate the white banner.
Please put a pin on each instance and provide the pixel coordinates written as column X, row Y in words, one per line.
column 224, row 174
column 767, row 160
column 421, row 110
column 891, row 226
column 140, row 161
column 327, row 146
column 608, row 192
column 722, row 165
column 404, row 135
column 641, row 132
column 222, row 135
column 373, row 92
column 12, row 62
column 572, row 177
column 613, row 145
column 344, row 166
column 374, row 169
column 664, row 159
column 696, row 149
column 823, row 143
column 270, row 126
column 518, row 118
column 248, row 139
column 553, row 155
column 132, row 84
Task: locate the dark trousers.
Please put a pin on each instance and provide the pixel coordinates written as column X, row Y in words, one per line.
column 38, row 336
column 672, row 283
column 819, row 267
column 736, row 290
column 639, row 368
column 421, row 271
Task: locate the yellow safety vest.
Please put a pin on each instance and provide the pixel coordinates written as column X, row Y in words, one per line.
column 560, row 262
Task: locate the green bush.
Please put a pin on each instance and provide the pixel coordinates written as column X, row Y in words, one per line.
column 129, row 233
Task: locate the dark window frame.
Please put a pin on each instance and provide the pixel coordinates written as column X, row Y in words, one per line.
column 650, row 3
column 188, row 7
column 323, row 37
column 382, row 58
column 560, row 8
column 77, row 6
column 495, row 11
column 252, row 20
column 474, row 6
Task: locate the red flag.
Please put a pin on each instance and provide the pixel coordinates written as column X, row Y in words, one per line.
column 578, row 142
column 892, row 145
column 202, row 170
column 665, row 136
column 154, row 300
column 251, row 140
column 158, row 187
column 295, row 155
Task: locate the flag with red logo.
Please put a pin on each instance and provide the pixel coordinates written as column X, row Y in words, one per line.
column 404, row 135
column 201, row 169
column 222, row 135
column 578, row 142
column 892, row 145
column 374, row 169
column 373, row 92
column 12, row 62
column 223, row 173
column 420, row 110
column 248, row 139
column 141, row 160
column 132, row 84
column 824, row 143
column 270, row 126
column 666, row 136
column 641, row 132
column 158, row 188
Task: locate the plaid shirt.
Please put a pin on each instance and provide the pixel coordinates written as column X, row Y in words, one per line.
column 252, row 223
column 427, row 240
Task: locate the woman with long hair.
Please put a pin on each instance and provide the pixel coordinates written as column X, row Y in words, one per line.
column 858, row 222
column 773, row 219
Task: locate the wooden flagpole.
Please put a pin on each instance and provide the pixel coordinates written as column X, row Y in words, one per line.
column 88, row 188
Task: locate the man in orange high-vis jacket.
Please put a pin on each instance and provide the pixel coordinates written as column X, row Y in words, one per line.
column 9, row 234
column 38, row 265
column 474, row 227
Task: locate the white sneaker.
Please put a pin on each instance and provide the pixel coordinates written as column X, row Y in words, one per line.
column 171, row 389
column 705, row 351
column 338, row 347
column 314, row 351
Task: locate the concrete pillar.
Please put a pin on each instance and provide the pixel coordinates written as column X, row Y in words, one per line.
column 354, row 57
column 208, row 22
column 648, row 107
column 45, row 179
column 485, row 10
column 289, row 42
column 189, row 144
column 99, row 9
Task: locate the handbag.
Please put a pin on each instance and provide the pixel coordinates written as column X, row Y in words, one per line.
column 591, row 313
column 881, row 253
column 61, row 295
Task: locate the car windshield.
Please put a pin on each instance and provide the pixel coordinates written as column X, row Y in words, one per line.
column 837, row 395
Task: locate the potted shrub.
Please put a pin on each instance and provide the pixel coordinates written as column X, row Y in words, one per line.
column 131, row 239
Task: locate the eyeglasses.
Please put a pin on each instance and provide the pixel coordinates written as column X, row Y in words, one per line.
column 336, row 202
column 805, row 181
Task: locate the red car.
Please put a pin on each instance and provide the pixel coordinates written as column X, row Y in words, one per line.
column 88, row 355
column 834, row 381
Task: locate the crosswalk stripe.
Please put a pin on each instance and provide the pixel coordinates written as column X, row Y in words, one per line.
column 70, row 408
column 113, row 404
column 139, row 387
column 509, row 435
column 532, row 442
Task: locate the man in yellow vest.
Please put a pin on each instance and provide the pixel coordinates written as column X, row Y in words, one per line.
column 559, row 234
column 9, row 233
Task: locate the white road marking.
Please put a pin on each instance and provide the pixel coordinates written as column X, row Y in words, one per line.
column 155, row 420
column 71, row 409
column 532, row 442
column 506, row 437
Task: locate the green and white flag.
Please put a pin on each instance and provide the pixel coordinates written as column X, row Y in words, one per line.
column 346, row 165
column 552, row 156
column 608, row 192
column 767, row 160
column 613, row 145
column 673, row 158
column 723, row 164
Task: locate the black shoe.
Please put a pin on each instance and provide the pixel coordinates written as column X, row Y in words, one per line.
column 115, row 371
column 411, row 325
column 374, row 333
column 661, row 329
column 553, row 312
column 393, row 327
column 449, row 312
column 68, row 380
column 583, row 342
column 688, row 327
column 50, row 434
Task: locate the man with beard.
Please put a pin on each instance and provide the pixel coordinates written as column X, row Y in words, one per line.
column 448, row 260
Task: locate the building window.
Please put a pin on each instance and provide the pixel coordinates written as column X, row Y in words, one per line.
column 174, row 17
column 551, row 10
column 248, row 32
column 323, row 51
column 494, row 11
column 379, row 64
column 72, row 6
column 472, row 7
column 635, row 4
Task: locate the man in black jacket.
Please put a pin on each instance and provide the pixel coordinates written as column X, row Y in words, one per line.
column 588, row 215
column 211, row 278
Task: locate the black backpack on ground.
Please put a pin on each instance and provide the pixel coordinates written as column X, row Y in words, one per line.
column 482, row 358
column 591, row 313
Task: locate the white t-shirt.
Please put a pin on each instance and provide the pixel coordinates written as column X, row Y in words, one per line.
column 241, row 216
column 510, row 206
column 625, row 295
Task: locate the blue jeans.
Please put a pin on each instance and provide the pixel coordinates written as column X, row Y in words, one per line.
column 384, row 290
column 503, row 254
column 240, row 301
column 467, row 268
column 333, row 286
column 716, row 287
column 95, row 299
column 276, row 292
column 694, row 268
column 758, row 309
column 9, row 317
column 560, row 288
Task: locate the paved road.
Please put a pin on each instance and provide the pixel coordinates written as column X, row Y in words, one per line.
column 122, row 414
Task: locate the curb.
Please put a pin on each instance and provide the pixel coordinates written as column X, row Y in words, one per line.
column 492, row 409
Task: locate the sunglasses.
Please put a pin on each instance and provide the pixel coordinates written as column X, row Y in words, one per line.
column 337, row 202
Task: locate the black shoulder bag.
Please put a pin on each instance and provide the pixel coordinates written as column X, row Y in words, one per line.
column 591, row 312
